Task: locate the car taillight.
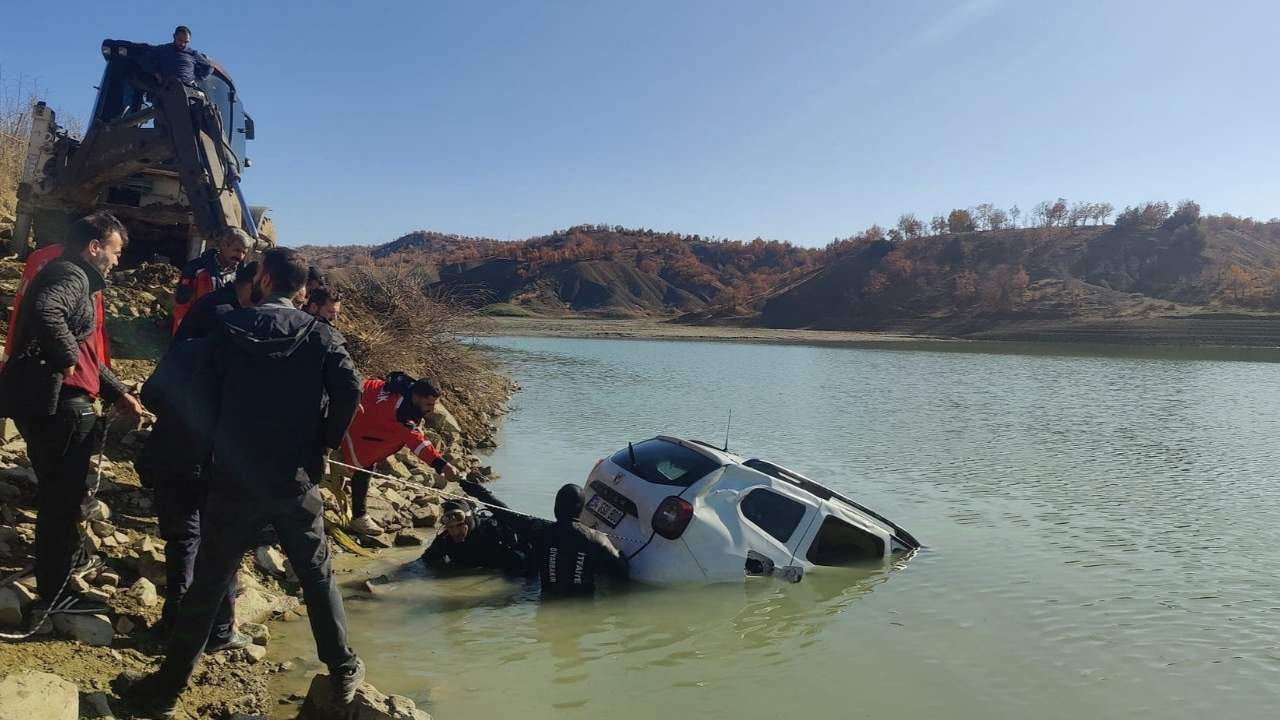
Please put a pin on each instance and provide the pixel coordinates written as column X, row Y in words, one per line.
column 672, row 517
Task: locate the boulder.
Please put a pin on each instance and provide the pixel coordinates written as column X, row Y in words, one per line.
column 150, row 565
column 31, row 695
column 407, row 539
column 382, row 541
column 255, row 605
column 260, row 633
column 425, row 516
column 381, row 511
column 17, row 476
column 396, row 499
column 95, row 705
column 269, row 560
column 88, row 629
column 369, row 704
column 144, row 591
column 255, row 653
column 442, row 421
column 394, row 466
column 14, row 601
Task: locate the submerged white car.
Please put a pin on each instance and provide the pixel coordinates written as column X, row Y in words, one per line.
column 683, row 511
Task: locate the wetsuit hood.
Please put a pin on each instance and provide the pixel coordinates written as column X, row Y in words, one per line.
column 569, row 502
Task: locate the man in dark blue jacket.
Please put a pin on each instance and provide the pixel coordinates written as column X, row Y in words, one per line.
column 179, row 60
column 271, row 366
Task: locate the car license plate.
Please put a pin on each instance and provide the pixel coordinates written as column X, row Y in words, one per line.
column 605, row 510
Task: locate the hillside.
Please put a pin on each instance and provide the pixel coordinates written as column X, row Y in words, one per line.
column 1159, row 273
column 1158, row 277
column 589, row 269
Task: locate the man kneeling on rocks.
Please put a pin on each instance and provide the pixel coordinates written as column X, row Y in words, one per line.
column 387, row 420
column 271, row 367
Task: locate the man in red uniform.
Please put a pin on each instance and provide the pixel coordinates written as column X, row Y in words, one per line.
column 387, row 421
column 213, row 270
column 36, row 263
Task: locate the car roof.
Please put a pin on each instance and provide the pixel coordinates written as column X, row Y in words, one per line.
column 789, row 477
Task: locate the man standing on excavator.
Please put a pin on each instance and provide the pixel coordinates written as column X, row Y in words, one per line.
column 178, row 60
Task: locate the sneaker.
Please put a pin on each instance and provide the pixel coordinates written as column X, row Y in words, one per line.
column 347, row 681
column 73, row 604
column 140, row 690
column 365, row 525
column 237, row 641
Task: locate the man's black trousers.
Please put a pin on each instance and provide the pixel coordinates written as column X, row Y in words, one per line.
column 180, row 498
column 230, row 528
column 360, row 493
column 59, row 447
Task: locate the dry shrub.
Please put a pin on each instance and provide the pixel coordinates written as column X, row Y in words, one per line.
column 16, row 99
column 393, row 320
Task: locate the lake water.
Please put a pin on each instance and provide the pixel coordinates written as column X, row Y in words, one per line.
column 1101, row 540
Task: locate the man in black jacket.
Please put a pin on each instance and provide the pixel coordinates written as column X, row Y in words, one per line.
column 48, row 388
column 271, row 366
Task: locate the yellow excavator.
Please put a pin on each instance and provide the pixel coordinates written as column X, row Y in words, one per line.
column 164, row 156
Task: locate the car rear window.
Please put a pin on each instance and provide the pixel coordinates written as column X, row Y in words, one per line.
column 664, row 463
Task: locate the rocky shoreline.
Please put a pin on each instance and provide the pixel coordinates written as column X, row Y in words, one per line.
column 87, row 652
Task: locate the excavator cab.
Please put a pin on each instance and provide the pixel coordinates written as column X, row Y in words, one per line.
column 165, row 157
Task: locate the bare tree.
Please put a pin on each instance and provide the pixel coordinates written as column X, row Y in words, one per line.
column 982, row 215
column 938, row 224
column 998, row 220
column 1102, row 211
column 910, row 226
column 1050, row 214
column 1015, row 216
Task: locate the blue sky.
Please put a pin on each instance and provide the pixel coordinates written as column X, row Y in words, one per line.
column 801, row 121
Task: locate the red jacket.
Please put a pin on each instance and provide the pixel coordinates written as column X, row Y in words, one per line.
column 199, row 278
column 193, row 288
column 376, row 433
column 35, row 263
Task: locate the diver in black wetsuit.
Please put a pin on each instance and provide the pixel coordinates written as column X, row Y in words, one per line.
column 566, row 555
column 571, row 555
column 476, row 540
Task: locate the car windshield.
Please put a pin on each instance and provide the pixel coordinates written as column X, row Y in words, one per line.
column 664, row 463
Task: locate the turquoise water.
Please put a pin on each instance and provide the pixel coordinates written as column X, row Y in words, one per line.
column 1101, row 537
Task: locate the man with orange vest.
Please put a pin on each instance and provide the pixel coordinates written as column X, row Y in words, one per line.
column 35, row 263
column 213, row 270
column 387, row 421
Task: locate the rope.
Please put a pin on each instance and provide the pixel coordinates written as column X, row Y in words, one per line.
column 468, row 498
column 105, row 423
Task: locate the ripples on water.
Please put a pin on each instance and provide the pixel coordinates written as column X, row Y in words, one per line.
column 1101, row 538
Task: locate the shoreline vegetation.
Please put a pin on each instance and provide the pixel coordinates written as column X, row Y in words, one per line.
column 1239, row 332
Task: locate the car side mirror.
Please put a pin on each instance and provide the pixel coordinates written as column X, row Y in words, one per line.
column 248, row 127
